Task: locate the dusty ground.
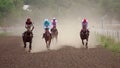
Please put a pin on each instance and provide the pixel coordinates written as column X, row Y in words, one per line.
column 13, row 55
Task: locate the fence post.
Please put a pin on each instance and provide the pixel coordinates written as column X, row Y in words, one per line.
column 118, row 35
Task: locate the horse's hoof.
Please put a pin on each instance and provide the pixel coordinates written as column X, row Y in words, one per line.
column 87, row 47
column 83, row 44
column 29, row 51
column 48, row 48
column 24, row 47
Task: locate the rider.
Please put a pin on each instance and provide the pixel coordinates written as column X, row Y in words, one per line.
column 29, row 24
column 54, row 21
column 47, row 24
column 84, row 24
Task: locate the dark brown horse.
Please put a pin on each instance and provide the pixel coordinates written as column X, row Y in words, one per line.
column 27, row 37
column 47, row 36
column 84, row 35
column 54, row 33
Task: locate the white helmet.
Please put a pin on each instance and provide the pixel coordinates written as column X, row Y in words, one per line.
column 46, row 20
column 54, row 18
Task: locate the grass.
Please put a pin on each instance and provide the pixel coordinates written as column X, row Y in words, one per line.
column 3, row 34
column 109, row 43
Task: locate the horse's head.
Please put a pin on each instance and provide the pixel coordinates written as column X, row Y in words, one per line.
column 47, row 35
column 85, row 32
column 54, row 27
column 27, row 36
column 46, row 29
column 28, row 33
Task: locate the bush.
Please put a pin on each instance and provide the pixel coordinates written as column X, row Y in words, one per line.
column 110, row 43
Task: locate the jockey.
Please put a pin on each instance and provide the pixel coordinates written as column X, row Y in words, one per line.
column 84, row 24
column 29, row 24
column 47, row 24
column 54, row 21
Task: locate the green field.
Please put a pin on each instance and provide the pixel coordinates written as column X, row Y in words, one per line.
column 3, row 34
column 109, row 43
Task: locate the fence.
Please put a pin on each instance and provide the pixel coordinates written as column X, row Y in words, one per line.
column 115, row 34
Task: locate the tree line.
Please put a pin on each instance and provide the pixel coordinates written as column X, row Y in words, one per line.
column 9, row 7
column 62, row 7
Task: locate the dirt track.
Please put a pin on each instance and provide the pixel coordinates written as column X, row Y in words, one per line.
column 12, row 55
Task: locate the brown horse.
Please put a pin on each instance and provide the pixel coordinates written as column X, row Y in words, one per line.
column 84, row 35
column 54, row 33
column 47, row 36
column 27, row 37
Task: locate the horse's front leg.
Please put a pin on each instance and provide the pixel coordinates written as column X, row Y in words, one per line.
column 46, row 44
column 86, row 43
column 30, row 46
column 55, row 39
column 57, row 36
column 24, row 44
column 49, row 43
column 82, row 41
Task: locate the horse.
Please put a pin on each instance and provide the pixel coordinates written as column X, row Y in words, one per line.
column 27, row 37
column 47, row 36
column 84, row 35
column 54, row 33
